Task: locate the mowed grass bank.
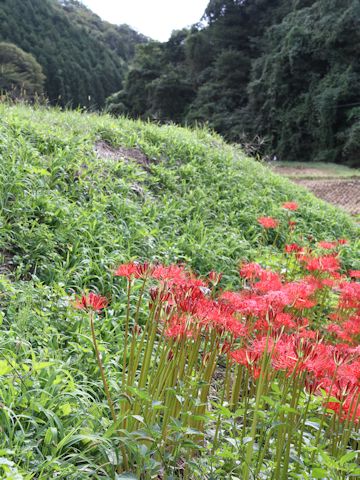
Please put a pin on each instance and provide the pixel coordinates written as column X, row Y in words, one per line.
column 69, row 216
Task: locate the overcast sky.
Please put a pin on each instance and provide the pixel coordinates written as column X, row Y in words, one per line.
column 154, row 18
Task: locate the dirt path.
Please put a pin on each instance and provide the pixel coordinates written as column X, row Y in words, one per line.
column 342, row 192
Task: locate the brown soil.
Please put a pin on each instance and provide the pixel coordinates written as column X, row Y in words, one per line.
column 341, row 192
column 104, row 150
column 6, row 262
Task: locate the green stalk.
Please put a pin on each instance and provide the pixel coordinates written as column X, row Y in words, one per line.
column 317, row 438
column 237, row 386
column 227, row 380
column 134, row 337
column 290, row 426
column 147, row 354
column 126, row 334
column 300, row 441
column 169, row 400
column 349, row 424
column 259, row 390
column 105, row 384
column 149, row 323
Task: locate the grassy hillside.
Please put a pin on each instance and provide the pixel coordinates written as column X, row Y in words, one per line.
column 65, row 210
column 69, row 215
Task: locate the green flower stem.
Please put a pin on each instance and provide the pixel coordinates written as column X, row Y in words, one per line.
column 318, row 433
column 227, row 380
column 259, row 392
column 237, row 386
column 290, row 423
column 300, row 440
column 349, row 425
column 126, row 334
column 139, row 350
column 105, row 384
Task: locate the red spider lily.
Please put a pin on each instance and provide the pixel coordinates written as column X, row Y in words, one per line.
column 269, row 281
column 342, row 241
column 290, row 205
column 179, row 327
column 328, row 245
column 250, row 270
column 350, row 295
column 354, row 273
column 249, row 359
column 126, row 270
column 134, row 269
column 284, row 320
column 177, row 275
column 327, row 263
column 293, row 247
column 91, row 302
column 268, row 222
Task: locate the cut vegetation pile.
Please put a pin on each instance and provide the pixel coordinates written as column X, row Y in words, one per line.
column 80, row 194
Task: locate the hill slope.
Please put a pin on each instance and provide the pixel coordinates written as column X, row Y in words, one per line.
column 84, row 58
column 175, row 194
column 69, row 214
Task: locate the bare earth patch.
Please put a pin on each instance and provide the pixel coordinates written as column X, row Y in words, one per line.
column 105, row 150
column 343, row 193
column 327, row 184
column 6, row 262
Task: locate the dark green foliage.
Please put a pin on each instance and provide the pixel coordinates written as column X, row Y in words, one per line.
column 288, row 71
column 305, row 87
column 84, row 59
column 20, row 73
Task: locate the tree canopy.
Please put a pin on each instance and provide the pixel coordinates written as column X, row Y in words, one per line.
column 288, row 71
column 20, row 73
column 84, row 58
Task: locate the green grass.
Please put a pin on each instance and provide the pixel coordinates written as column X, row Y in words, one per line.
column 328, row 170
column 68, row 217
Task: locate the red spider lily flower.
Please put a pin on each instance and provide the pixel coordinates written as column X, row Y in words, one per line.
column 91, row 302
column 328, row 245
column 134, row 269
column 293, row 247
column 268, row 222
column 126, row 270
column 269, row 281
column 284, row 320
column 350, row 295
column 342, row 241
column 290, row 206
column 180, row 327
column 354, row 273
column 250, row 270
column 327, row 263
column 249, row 359
column 176, row 275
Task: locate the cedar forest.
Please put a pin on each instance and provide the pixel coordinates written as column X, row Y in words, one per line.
column 282, row 76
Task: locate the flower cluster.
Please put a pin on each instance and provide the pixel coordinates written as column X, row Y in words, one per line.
column 309, row 325
column 271, row 316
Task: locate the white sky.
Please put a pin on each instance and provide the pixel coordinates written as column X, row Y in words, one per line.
column 153, row 18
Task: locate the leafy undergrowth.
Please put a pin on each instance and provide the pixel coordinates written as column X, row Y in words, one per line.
column 67, row 219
